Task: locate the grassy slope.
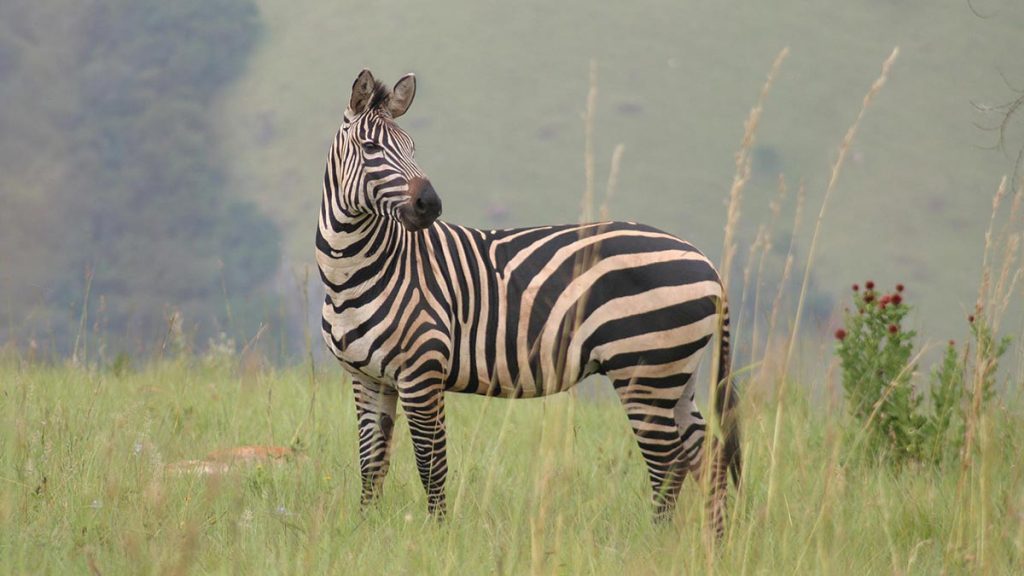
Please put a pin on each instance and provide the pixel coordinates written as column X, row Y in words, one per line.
column 522, row 497
column 497, row 120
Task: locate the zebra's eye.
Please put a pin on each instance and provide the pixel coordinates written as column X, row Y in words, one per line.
column 371, row 147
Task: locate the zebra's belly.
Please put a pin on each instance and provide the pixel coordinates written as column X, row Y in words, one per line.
column 492, row 377
column 508, row 389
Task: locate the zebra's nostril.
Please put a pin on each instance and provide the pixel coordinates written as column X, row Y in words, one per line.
column 424, row 204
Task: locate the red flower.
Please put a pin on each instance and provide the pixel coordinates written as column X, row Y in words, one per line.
column 840, row 334
column 856, row 287
column 952, row 343
column 971, row 318
column 869, row 285
column 896, row 299
column 899, row 287
column 868, row 297
column 884, row 300
column 893, row 329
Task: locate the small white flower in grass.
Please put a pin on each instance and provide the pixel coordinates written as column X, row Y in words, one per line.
column 96, row 505
column 137, row 448
column 408, row 517
column 282, row 511
column 246, row 519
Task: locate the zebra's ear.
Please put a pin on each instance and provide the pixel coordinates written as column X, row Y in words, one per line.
column 362, row 91
column 402, row 95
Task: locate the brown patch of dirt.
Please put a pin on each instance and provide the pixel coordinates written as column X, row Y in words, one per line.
column 224, row 461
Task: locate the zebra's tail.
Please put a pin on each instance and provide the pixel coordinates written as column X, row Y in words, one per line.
column 727, row 403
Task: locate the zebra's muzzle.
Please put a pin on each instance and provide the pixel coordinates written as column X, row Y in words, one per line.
column 423, row 207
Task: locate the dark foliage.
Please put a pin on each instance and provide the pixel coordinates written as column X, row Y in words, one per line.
column 138, row 193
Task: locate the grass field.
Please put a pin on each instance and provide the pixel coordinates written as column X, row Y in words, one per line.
column 537, row 486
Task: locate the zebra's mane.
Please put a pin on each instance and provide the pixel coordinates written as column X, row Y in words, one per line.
column 381, row 96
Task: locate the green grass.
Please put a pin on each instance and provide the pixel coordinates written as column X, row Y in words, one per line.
column 525, row 495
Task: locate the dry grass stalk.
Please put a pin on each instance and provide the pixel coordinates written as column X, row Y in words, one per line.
column 986, row 264
column 742, row 173
column 90, row 561
column 553, row 463
column 488, row 489
column 1010, row 271
column 761, row 239
column 830, row 495
column 588, row 256
column 844, row 148
column 775, row 207
column 1007, row 284
column 613, row 180
column 991, row 305
column 837, row 167
column 740, row 178
column 547, row 469
column 773, row 319
column 174, row 332
column 302, row 287
column 83, row 335
column 587, row 208
column 885, row 395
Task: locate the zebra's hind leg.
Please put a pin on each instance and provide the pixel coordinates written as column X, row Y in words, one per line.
column 718, row 490
column 693, row 427
column 650, row 404
column 375, row 411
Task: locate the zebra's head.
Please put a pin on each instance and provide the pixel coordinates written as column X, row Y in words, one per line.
column 375, row 170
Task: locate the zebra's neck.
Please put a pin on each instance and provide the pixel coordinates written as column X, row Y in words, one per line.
column 350, row 247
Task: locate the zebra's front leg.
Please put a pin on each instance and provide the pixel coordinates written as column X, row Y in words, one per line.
column 423, row 404
column 375, row 411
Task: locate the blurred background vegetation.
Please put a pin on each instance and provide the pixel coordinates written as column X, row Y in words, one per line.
column 164, row 159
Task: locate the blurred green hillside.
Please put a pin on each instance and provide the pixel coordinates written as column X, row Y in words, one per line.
column 502, row 86
column 175, row 150
column 111, row 178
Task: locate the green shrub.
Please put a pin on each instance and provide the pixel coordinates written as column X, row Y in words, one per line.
column 943, row 432
column 876, row 357
column 875, row 353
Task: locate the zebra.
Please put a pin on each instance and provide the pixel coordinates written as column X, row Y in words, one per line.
column 416, row 307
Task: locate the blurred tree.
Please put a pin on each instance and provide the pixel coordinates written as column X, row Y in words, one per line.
column 121, row 173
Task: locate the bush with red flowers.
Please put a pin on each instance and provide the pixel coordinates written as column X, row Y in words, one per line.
column 875, row 354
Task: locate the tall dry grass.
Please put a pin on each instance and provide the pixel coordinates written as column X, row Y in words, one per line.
column 1000, row 262
column 837, row 166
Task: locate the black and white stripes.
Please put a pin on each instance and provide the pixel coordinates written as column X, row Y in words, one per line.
column 417, row 307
